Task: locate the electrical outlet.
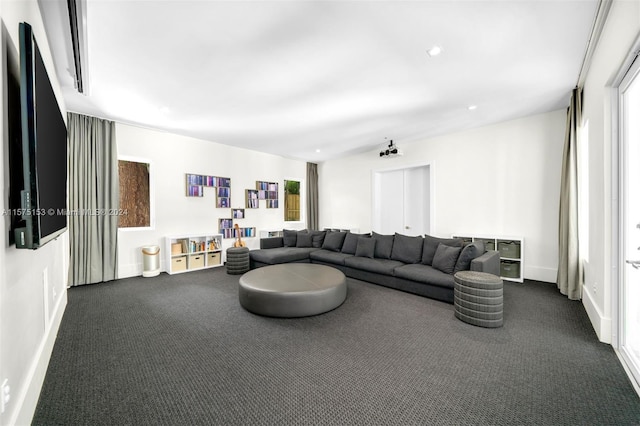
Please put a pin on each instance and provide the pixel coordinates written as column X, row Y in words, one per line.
column 5, row 395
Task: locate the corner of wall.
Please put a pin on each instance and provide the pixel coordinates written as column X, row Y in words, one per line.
column 27, row 401
column 601, row 324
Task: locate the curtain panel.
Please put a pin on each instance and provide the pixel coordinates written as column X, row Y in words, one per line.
column 312, row 196
column 93, row 199
column 569, row 278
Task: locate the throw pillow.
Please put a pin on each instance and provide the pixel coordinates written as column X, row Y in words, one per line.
column 351, row 242
column 431, row 245
column 445, row 258
column 365, row 247
column 305, row 239
column 289, row 237
column 318, row 238
column 384, row 245
column 407, row 249
column 468, row 253
column 333, row 241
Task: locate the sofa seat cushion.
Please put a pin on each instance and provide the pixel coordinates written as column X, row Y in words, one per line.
column 424, row 274
column 281, row 255
column 329, row 256
column 378, row 266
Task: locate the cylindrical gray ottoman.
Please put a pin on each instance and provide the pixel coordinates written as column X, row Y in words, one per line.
column 292, row 290
column 477, row 298
column 237, row 260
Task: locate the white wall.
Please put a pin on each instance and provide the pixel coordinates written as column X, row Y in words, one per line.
column 172, row 157
column 621, row 29
column 30, row 314
column 502, row 179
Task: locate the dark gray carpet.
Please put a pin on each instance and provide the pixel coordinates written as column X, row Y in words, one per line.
column 180, row 350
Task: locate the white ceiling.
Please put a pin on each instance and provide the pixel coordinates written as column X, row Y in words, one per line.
column 294, row 77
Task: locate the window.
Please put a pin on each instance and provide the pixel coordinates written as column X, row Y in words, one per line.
column 135, row 194
column 291, row 201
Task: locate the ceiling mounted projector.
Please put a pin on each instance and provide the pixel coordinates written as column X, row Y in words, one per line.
column 390, row 151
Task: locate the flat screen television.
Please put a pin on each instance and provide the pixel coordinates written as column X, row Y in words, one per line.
column 43, row 196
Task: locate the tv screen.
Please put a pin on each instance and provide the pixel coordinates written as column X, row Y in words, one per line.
column 44, row 151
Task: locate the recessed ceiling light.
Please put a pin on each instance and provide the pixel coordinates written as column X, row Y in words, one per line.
column 472, row 107
column 318, row 150
column 434, row 51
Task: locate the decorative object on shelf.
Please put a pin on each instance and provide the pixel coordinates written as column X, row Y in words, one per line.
column 390, row 151
column 269, row 233
column 229, row 230
column 238, row 242
column 197, row 183
column 190, row 252
column 226, row 227
column 268, row 191
column 252, row 198
column 511, row 254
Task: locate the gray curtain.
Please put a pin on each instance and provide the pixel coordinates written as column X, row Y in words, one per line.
column 312, row 196
column 569, row 264
column 93, row 195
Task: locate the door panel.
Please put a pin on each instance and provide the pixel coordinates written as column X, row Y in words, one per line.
column 402, row 201
column 629, row 302
column 391, row 201
column 416, row 194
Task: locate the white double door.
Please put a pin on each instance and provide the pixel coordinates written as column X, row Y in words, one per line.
column 629, row 229
column 402, row 201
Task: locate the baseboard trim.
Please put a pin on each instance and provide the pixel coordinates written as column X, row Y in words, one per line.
column 632, row 379
column 27, row 400
column 134, row 270
column 600, row 323
column 538, row 273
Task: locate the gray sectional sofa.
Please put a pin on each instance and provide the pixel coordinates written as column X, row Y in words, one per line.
column 419, row 265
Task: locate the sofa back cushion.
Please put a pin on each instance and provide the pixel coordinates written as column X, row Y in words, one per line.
column 351, row 242
column 468, row 253
column 407, row 249
column 366, row 247
column 333, row 240
column 384, row 245
column 431, row 245
column 445, row 258
column 290, row 237
column 318, row 238
column 304, row 239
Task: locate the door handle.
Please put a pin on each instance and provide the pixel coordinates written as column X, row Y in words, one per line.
column 634, row 263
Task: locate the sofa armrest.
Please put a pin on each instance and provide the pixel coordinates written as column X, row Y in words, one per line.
column 271, row 242
column 488, row 262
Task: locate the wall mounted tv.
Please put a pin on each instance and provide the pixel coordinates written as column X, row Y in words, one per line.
column 43, row 196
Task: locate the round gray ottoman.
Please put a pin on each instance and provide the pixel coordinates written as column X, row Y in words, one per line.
column 292, row 290
column 237, row 260
column 477, row 298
